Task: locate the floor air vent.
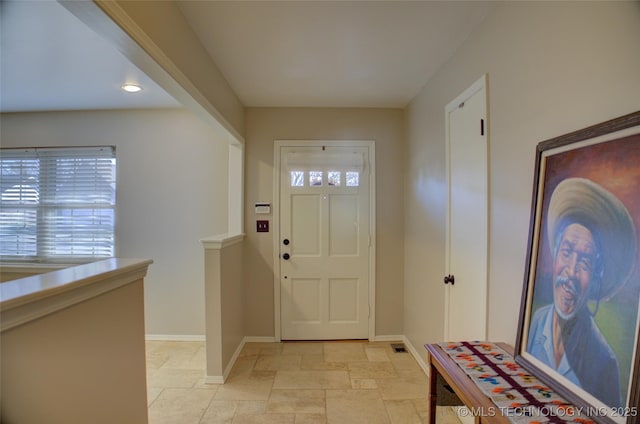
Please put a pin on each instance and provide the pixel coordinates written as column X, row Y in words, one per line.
column 398, row 347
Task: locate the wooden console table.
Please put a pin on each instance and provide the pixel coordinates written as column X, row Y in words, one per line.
column 483, row 409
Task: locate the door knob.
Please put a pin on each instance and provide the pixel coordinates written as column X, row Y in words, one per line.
column 285, row 242
column 286, row 256
column 449, row 279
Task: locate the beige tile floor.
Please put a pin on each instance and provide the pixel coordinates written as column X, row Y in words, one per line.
column 289, row 383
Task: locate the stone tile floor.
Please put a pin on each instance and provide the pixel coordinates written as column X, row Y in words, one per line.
column 289, row 383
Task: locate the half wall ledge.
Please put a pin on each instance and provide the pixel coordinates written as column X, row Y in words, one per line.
column 33, row 297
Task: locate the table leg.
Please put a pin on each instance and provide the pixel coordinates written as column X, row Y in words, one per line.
column 433, row 392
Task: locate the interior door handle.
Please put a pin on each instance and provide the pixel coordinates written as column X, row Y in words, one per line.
column 449, row 279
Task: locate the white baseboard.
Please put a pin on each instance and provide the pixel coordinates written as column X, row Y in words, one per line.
column 220, row 379
column 412, row 350
column 233, row 360
column 419, row 358
column 175, row 337
column 259, row 339
column 391, row 338
column 213, row 379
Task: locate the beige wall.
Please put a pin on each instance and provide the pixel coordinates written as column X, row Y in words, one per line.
column 385, row 127
column 172, row 191
column 553, row 67
column 81, row 364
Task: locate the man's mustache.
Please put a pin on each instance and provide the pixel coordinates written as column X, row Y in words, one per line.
column 568, row 285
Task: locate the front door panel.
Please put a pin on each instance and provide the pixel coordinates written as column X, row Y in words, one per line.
column 324, row 215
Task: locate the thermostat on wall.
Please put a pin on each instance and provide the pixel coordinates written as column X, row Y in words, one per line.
column 263, row 208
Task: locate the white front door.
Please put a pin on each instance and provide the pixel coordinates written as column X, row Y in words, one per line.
column 466, row 293
column 324, row 242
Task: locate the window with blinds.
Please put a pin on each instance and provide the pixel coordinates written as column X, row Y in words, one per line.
column 57, row 203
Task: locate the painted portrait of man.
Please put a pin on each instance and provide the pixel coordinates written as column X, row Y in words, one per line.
column 583, row 315
column 593, row 248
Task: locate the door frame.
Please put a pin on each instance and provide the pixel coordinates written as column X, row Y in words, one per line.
column 278, row 145
column 480, row 84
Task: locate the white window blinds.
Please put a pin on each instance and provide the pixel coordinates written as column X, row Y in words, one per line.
column 57, row 203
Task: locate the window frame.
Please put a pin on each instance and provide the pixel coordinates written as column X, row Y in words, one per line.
column 62, row 189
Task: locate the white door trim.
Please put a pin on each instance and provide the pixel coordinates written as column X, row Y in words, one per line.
column 481, row 83
column 278, row 144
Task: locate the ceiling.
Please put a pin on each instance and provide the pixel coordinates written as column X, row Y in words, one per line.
column 53, row 61
column 272, row 53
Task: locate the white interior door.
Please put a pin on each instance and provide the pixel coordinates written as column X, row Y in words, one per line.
column 467, row 229
column 324, row 242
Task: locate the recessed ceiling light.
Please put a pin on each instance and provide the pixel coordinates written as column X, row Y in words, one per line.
column 131, row 88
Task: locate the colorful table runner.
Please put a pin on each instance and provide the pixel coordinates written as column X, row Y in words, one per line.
column 518, row 395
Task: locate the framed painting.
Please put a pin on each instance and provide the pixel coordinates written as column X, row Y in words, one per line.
column 579, row 320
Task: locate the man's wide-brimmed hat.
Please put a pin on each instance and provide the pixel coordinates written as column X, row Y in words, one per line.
column 581, row 201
